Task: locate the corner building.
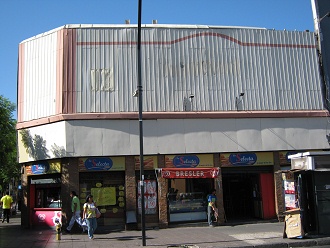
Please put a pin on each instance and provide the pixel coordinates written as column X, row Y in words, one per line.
column 223, row 107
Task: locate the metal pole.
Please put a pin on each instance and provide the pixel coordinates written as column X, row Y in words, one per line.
column 143, row 226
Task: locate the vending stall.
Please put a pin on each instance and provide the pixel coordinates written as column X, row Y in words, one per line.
column 312, row 190
column 45, row 203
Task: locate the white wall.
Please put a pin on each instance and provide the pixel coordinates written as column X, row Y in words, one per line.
column 80, row 138
column 54, row 142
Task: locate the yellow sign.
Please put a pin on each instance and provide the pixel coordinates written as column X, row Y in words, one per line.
column 104, row 196
column 102, row 164
column 189, row 161
column 246, row 159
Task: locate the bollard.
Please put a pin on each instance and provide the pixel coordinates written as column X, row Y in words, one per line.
column 58, row 229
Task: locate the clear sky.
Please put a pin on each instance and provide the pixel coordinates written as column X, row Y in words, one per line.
column 23, row 19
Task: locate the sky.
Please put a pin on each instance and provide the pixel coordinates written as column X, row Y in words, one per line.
column 23, row 19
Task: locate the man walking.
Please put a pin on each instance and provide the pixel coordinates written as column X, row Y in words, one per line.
column 6, row 202
column 75, row 208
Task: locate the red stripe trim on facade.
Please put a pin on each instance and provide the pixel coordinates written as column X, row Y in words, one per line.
column 172, row 42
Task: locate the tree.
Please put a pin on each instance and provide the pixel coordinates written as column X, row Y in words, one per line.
column 9, row 167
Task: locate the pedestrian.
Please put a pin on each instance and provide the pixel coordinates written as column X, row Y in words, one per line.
column 90, row 215
column 211, row 205
column 75, row 208
column 6, row 202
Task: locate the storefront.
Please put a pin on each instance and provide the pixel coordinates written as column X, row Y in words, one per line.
column 190, row 180
column 104, row 178
column 44, row 180
column 248, row 185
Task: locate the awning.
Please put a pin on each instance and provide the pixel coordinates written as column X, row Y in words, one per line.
column 189, row 172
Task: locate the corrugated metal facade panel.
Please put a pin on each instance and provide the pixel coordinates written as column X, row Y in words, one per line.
column 277, row 70
column 39, row 77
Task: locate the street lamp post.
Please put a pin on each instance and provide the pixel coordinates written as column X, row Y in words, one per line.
column 143, row 228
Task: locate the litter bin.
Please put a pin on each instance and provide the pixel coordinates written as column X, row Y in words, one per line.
column 293, row 224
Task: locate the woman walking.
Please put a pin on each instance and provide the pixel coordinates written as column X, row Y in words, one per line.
column 90, row 215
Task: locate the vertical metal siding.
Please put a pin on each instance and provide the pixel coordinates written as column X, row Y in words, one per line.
column 277, row 70
column 40, row 77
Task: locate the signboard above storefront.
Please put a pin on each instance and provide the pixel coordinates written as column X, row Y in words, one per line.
column 189, row 172
column 189, row 161
column 45, row 167
column 246, row 159
column 102, row 164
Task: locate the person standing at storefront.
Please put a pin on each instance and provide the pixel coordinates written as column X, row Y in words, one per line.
column 75, row 208
column 211, row 205
column 90, row 215
column 6, row 202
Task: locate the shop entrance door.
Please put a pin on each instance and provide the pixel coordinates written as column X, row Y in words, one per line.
column 241, row 196
column 267, row 195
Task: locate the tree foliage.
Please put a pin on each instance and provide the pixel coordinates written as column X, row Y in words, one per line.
column 9, row 168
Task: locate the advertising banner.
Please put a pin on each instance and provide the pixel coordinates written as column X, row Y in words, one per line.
column 150, row 197
column 289, row 191
column 189, row 172
column 46, row 218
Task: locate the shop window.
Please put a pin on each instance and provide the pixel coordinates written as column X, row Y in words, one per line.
column 108, row 190
column 187, row 199
column 47, row 192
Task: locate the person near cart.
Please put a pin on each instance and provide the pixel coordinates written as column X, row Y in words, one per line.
column 6, row 202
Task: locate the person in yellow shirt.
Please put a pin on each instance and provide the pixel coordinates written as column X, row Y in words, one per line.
column 90, row 215
column 6, row 202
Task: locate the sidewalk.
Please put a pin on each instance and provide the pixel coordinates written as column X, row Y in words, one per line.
column 245, row 235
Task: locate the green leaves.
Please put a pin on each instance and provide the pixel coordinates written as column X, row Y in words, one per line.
column 9, row 168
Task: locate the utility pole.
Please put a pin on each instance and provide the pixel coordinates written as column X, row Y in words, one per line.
column 143, row 226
